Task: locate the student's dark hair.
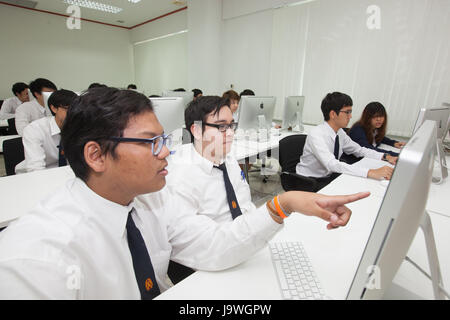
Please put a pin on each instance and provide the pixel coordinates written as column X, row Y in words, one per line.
column 97, row 115
column 40, row 83
column 61, row 99
column 334, row 102
column 372, row 110
column 97, row 85
column 247, row 92
column 231, row 94
column 197, row 92
column 200, row 108
column 132, row 86
column 180, row 90
column 18, row 87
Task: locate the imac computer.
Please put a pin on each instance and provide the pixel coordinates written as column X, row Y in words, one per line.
column 293, row 113
column 399, row 217
column 256, row 112
column 440, row 115
column 170, row 113
column 187, row 96
column 46, row 95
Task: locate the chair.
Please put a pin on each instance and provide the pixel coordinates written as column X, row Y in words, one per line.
column 13, row 153
column 291, row 148
column 12, row 126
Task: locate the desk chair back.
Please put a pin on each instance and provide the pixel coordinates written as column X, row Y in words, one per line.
column 13, row 153
column 12, row 126
column 291, row 149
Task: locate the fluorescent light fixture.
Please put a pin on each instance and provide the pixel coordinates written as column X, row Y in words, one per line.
column 134, row 1
column 94, row 5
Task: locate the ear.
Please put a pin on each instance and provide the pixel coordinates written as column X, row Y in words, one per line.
column 94, row 157
column 333, row 114
column 196, row 130
column 53, row 108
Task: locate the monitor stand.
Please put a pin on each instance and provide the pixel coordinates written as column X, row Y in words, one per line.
column 433, row 261
column 298, row 125
column 440, row 155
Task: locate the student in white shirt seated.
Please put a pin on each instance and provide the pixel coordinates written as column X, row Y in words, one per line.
column 326, row 143
column 109, row 233
column 9, row 106
column 41, row 138
column 234, row 98
column 205, row 176
column 33, row 110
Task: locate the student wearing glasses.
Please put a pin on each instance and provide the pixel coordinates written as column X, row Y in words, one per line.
column 41, row 138
column 326, row 143
column 110, row 232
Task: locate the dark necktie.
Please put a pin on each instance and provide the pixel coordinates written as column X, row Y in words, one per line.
column 336, row 147
column 61, row 158
column 231, row 196
column 142, row 264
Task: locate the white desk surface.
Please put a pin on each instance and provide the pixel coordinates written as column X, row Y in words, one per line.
column 20, row 193
column 4, row 123
column 334, row 254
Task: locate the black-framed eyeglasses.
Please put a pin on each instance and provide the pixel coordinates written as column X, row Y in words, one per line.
column 223, row 126
column 157, row 142
column 348, row 112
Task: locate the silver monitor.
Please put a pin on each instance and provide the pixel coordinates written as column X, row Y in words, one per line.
column 170, row 112
column 293, row 113
column 46, row 95
column 399, row 217
column 438, row 114
column 251, row 107
column 187, row 96
column 441, row 117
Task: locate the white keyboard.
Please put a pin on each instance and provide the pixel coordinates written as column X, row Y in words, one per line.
column 296, row 277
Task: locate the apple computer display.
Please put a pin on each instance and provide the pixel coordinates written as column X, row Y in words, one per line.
column 399, row 217
column 252, row 108
column 170, row 113
column 441, row 117
column 293, row 112
column 46, row 95
column 187, row 96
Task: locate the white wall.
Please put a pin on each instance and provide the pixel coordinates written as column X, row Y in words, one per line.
column 161, row 64
column 39, row 45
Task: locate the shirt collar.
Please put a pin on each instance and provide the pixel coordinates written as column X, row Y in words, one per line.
column 203, row 163
column 330, row 130
column 54, row 129
column 111, row 215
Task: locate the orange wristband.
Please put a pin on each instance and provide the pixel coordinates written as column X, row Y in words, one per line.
column 278, row 207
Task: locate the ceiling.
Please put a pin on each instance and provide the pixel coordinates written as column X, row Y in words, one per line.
column 133, row 14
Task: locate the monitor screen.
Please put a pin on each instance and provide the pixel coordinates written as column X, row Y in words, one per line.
column 187, row 96
column 398, row 218
column 250, row 107
column 170, row 112
column 292, row 105
column 440, row 115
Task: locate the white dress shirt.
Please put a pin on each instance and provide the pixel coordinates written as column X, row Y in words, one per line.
column 9, row 107
column 28, row 112
column 194, row 178
column 73, row 245
column 40, row 141
column 318, row 158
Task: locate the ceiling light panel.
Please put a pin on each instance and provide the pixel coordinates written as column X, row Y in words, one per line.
column 94, row 5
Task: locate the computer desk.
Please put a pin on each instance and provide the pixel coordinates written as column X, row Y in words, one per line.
column 334, row 254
